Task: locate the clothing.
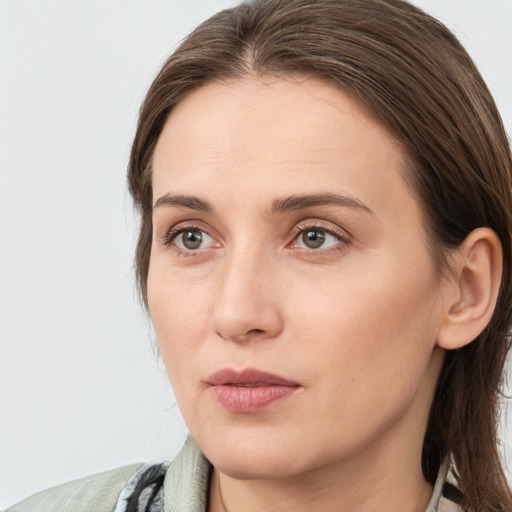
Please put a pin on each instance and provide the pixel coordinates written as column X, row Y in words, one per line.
column 97, row 493
column 184, row 489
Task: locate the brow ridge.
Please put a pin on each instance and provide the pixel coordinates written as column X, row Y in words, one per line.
column 291, row 203
column 191, row 202
column 297, row 202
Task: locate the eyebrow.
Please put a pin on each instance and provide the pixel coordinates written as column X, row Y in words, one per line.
column 291, row 203
column 326, row 199
column 193, row 203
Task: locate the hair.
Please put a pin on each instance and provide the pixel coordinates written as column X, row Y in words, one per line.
column 414, row 77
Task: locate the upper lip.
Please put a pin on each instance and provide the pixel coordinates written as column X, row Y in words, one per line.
column 247, row 376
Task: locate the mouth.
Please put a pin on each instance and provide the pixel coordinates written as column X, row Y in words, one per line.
column 249, row 390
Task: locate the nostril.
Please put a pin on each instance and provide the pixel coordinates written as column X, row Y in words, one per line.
column 243, row 320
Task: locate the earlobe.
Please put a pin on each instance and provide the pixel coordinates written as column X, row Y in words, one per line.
column 471, row 292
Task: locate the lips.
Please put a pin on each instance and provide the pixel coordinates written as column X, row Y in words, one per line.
column 249, row 390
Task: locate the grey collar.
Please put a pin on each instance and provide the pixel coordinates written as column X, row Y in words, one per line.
column 187, row 480
column 433, row 504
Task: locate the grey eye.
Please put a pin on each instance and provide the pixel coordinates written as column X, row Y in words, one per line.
column 193, row 239
column 313, row 239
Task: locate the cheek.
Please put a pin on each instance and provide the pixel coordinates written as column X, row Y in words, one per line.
column 369, row 328
column 179, row 312
column 370, row 359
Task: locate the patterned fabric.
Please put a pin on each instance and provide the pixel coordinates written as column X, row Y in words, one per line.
column 144, row 491
column 182, row 486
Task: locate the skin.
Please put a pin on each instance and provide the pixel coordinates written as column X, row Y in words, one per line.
column 354, row 321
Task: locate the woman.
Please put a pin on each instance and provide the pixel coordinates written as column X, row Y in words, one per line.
column 325, row 250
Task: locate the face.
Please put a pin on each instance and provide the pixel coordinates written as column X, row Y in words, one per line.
column 290, row 286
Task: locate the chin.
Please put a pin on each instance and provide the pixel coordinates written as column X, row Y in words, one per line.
column 254, row 466
column 247, row 455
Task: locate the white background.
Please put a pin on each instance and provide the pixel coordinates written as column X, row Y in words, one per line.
column 80, row 387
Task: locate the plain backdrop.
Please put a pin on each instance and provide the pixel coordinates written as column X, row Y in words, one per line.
column 81, row 389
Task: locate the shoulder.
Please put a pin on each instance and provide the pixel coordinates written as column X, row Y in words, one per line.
column 97, row 493
column 184, row 483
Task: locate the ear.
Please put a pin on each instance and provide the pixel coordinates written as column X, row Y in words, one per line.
column 471, row 291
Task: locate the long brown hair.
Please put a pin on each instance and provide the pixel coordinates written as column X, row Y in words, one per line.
column 412, row 75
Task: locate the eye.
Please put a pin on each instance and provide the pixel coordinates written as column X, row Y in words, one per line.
column 313, row 239
column 316, row 238
column 190, row 239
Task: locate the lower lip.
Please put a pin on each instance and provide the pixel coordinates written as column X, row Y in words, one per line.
column 250, row 399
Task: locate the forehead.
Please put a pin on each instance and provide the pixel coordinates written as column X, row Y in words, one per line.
column 272, row 110
column 283, row 136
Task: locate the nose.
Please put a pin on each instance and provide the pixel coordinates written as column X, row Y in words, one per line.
column 247, row 304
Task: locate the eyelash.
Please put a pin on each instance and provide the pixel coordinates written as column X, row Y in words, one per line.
column 176, row 231
column 342, row 237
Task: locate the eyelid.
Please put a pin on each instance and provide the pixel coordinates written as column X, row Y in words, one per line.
column 331, row 228
column 342, row 235
column 189, row 225
column 171, row 234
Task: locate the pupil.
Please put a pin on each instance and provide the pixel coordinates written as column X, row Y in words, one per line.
column 313, row 239
column 192, row 239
